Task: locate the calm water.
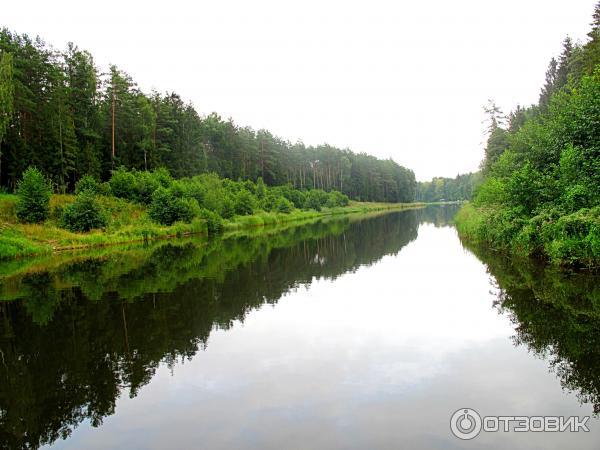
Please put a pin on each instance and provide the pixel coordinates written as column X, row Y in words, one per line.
column 345, row 334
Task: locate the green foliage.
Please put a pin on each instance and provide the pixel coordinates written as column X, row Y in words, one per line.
column 138, row 186
column 336, row 198
column 167, row 209
column 448, row 189
column 245, row 203
column 34, row 193
column 84, row 214
column 59, row 111
column 261, row 189
column 87, row 183
column 315, row 199
column 541, row 196
column 284, row 205
column 227, row 209
column 214, row 222
column 6, row 93
column 122, row 183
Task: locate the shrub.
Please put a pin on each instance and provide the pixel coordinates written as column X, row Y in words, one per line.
column 315, row 199
column 189, row 188
column 138, row 186
column 336, row 198
column 261, row 189
column 245, row 203
column 269, row 202
column 34, row 193
column 214, row 222
column 227, row 207
column 87, row 183
column 84, row 214
column 148, row 182
column 298, row 198
column 249, row 186
column 167, row 209
column 122, row 183
column 104, row 189
column 284, row 205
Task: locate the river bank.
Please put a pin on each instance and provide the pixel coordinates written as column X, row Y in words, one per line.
column 569, row 241
column 130, row 223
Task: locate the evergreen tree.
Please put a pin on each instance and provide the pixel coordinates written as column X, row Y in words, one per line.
column 6, row 98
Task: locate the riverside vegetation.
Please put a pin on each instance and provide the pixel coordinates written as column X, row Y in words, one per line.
column 541, row 190
column 101, row 162
column 61, row 113
column 141, row 205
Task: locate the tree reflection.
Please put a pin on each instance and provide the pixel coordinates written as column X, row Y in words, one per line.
column 83, row 331
column 557, row 316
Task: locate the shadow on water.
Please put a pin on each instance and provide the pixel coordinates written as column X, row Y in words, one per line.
column 80, row 333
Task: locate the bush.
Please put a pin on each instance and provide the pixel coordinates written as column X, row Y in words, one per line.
column 336, row 198
column 87, row 183
column 245, row 203
column 249, row 186
column 261, row 189
column 269, row 202
column 227, row 207
column 214, row 222
column 284, row 205
column 84, row 214
column 298, row 198
column 104, row 189
column 138, row 186
column 167, row 209
column 122, row 183
column 34, row 193
column 315, row 199
column 187, row 188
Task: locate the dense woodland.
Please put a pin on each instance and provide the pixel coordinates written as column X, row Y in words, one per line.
column 441, row 189
column 541, row 194
column 59, row 112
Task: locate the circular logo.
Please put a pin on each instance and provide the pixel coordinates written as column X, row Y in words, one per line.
column 465, row 423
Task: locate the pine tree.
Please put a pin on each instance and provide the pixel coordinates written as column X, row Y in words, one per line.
column 6, row 98
column 562, row 72
column 550, row 84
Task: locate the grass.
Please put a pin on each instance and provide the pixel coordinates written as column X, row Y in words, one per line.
column 129, row 222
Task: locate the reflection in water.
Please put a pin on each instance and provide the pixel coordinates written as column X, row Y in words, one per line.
column 85, row 331
column 79, row 332
column 556, row 316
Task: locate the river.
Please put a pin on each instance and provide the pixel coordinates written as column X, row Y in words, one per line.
column 348, row 333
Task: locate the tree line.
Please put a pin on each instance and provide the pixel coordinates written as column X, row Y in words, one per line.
column 59, row 112
column 448, row 189
column 541, row 189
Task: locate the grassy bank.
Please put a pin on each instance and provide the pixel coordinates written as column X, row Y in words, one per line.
column 129, row 222
column 566, row 240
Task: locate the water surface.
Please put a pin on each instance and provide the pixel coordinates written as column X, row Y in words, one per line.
column 347, row 333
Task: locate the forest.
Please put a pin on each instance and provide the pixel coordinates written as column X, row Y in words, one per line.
column 60, row 113
column 541, row 190
column 441, row 189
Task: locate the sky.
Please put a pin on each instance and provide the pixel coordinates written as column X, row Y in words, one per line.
column 405, row 80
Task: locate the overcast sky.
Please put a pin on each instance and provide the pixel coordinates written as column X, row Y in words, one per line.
column 399, row 79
